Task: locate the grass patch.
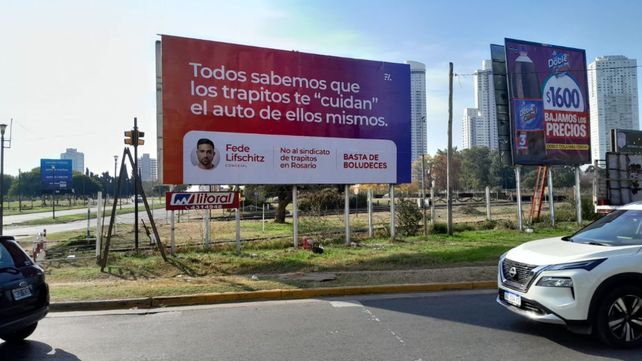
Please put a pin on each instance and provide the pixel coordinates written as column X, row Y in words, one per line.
column 220, row 270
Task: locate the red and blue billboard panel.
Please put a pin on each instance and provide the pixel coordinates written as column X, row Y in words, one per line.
column 235, row 114
column 549, row 104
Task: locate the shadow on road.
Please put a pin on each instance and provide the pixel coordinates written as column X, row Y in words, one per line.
column 33, row 350
column 482, row 310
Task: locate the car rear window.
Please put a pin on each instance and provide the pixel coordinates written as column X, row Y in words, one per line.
column 12, row 256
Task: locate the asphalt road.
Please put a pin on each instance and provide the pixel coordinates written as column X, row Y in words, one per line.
column 24, row 231
column 440, row 326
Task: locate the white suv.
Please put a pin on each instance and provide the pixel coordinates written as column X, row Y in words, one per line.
column 590, row 281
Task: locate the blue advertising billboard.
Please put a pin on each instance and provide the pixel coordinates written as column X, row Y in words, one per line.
column 55, row 174
column 549, row 104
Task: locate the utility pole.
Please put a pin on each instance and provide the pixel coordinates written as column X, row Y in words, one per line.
column 423, row 173
column 450, row 150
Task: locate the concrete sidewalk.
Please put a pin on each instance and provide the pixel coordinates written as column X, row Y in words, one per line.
column 401, row 281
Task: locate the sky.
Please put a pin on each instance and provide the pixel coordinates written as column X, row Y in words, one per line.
column 74, row 74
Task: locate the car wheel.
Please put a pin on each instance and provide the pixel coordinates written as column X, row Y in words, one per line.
column 619, row 317
column 20, row 334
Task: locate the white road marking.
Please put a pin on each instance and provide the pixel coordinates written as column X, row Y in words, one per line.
column 342, row 304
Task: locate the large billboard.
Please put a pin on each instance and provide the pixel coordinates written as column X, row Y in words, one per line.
column 549, row 104
column 56, row 174
column 234, row 114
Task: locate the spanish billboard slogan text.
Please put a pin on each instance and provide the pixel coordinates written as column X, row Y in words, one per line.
column 333, row 96
column 281, row 117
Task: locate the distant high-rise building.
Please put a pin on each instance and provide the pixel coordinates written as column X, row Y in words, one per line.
column 613, row 99
column 469, row 128
column 480, row 123
column 148, row 168
column 418, row 109
column 77, row 159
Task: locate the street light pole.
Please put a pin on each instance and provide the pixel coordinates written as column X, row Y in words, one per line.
column 3, row 127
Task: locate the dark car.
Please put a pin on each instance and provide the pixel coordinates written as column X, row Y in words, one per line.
column 24, row 294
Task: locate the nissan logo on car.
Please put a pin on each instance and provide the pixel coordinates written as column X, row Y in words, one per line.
column 512, row 272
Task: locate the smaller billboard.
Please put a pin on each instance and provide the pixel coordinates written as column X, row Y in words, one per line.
column 626, row 141
column 175, row 201
column 548, row 104
column 56, row 174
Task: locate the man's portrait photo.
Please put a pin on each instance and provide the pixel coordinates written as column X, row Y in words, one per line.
column 206, row 154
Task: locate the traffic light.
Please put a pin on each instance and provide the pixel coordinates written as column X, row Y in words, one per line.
column 134, row 137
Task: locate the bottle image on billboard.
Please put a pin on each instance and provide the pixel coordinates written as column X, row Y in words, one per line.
column 528, row 110
column 525, row 84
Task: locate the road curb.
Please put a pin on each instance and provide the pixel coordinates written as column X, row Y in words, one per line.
column 264, row 295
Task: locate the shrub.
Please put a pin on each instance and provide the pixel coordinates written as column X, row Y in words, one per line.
column 321, row 200
column 408, row 218
column 588, row 209
column 564, row 212
column 438, row 228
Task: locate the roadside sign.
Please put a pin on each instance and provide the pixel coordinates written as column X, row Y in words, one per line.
column 201, row 200
column 56, row 174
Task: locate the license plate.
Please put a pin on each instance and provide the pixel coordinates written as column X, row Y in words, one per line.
column 513, row 299
column 21, row 293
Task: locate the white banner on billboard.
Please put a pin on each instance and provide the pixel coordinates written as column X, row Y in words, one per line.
column 242, row 158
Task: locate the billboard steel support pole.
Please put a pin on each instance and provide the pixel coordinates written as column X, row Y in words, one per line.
column 238, row 232
column 578, row 195
column 346, row 211
column 99, row 223
column 488, row 215
column 370, row 230
column 520, row 224
column 206, row 225
column 206, row 230
column 393, row 232
column 432, row 201
column 295, row 217
column 172, row 233
column 551, row 201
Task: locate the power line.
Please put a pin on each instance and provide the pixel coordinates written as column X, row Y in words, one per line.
column 545, row 72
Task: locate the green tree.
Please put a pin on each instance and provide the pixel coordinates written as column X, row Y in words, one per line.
column 7, row 181
column 437, row 166
column 502, row 176
column 28, row 184
column 85, row 185
column 475, row 168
